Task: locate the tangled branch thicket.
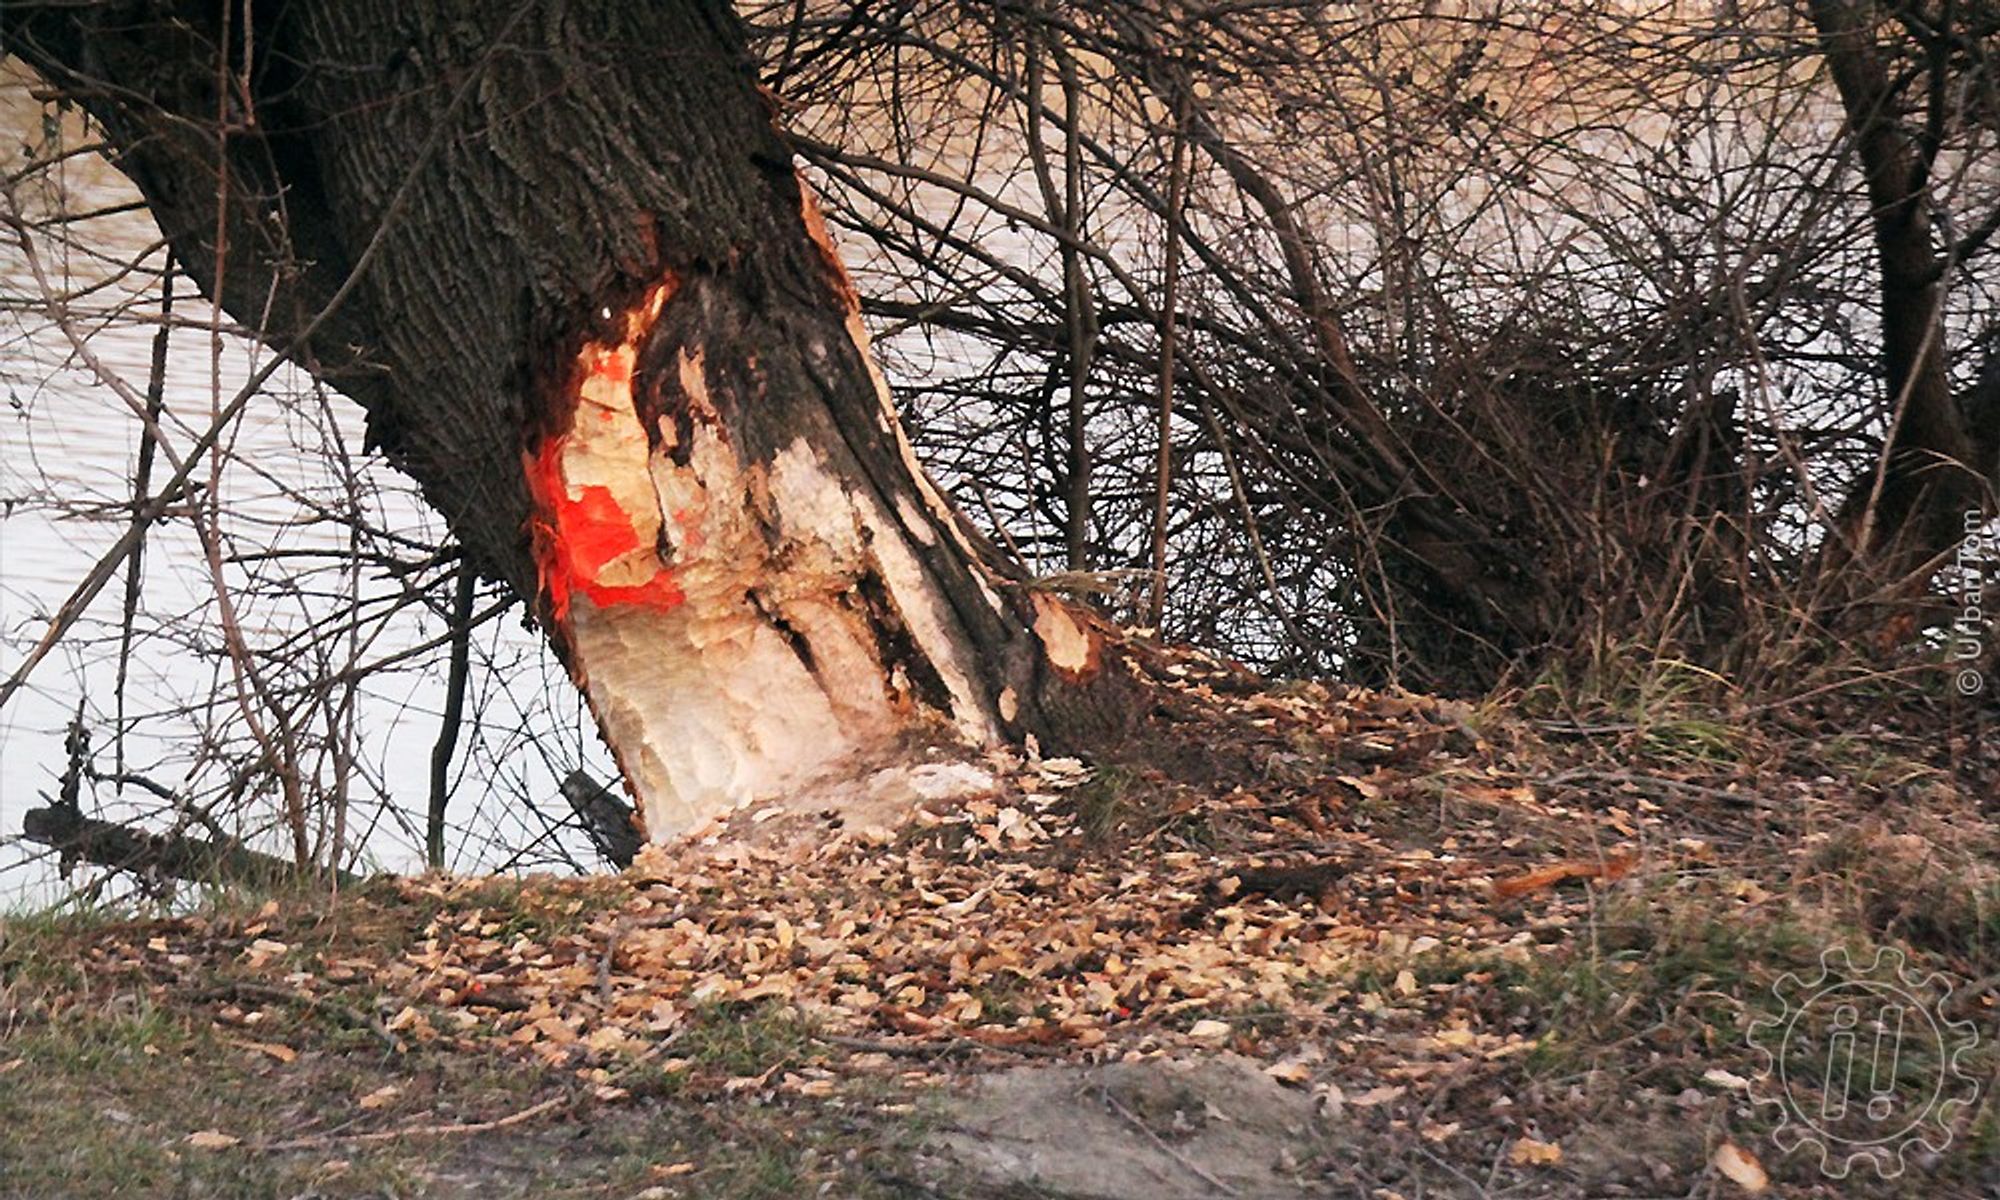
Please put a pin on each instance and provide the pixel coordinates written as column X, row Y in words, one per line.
column 1502, row 336
column 1449, row 345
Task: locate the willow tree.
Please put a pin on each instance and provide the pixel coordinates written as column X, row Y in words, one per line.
column 559, row 252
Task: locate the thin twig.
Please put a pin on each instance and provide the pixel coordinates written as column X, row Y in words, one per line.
column 389, row 1135
column 1193, row 1167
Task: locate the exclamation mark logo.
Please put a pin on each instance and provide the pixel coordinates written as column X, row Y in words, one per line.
column 1843, row 1044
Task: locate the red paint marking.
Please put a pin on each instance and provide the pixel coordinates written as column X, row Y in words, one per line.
column 584, row 535
column 576, row 538
column 612, row 365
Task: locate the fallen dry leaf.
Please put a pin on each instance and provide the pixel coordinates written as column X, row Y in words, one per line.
column 277, row 1050
column 1289, row 1072
column 380, row 1096
column 1615, row 867
column 211, row 1139
column 1741, row 1167
column 1529, row 1151
column 1438, row 1133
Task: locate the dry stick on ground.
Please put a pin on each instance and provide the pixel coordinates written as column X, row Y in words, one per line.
column 389, row 1135
column 1639, row 779
column 1468, row 1180
column 511, row 1119
column 238, row 989
column 1193, row 1167
column 936, row 1047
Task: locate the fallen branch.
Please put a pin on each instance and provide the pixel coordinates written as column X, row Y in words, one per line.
column 390, row 1135
column 78, row 838
column 259, row 993
column 1193, row 1168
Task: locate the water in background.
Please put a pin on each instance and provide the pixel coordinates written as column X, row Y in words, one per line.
column 69, row 447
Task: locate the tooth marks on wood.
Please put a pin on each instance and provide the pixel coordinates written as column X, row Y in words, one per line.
column 800, row 645
column 900, row 651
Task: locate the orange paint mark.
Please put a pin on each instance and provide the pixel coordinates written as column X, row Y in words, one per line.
column 614, row 365
column 816, row 229
column 585, row 533
column 581, row 531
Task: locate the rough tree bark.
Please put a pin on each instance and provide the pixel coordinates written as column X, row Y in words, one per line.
column 603, row 326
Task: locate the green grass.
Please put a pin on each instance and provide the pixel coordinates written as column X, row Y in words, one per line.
column 1692, row 740
column 105, row 1072
column 1933, row 889
column 37, row 950
column 734, row 1041
column 1102, row 801
column 1676, row 710
column 1694, row 966
column 1004, row 1000
column 1866, row 762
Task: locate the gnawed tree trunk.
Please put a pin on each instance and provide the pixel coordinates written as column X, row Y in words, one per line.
column 597, row 318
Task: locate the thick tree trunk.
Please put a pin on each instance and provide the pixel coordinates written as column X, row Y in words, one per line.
column 1943, row 458
column 602, row 325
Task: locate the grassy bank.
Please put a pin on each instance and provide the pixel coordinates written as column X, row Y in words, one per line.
column 1487, row 954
